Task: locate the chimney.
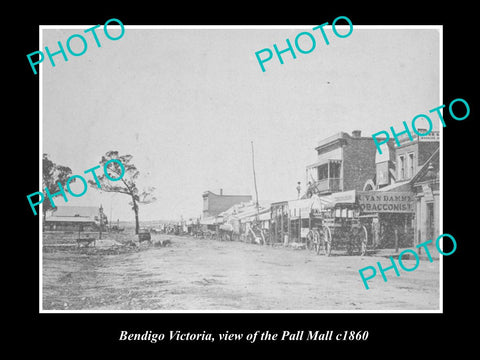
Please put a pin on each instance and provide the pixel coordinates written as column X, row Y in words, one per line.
column 221, row 191
column 356, row 133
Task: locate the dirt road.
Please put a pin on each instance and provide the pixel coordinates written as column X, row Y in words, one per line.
column 199, row 274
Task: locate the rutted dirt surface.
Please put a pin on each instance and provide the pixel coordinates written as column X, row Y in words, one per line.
column 200, row 274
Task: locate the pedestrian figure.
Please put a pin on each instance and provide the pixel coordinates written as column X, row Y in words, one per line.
column 299, row 188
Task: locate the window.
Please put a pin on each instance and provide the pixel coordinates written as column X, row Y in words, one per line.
column 322, row 172
column 335, row 170
column 401, row 168
column 333, row 166
column 411, row 166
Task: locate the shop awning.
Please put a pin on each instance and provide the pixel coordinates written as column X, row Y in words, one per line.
column 321, row 202
column 262, row 215
column 325, row 162
column 265, row 216
column 303, row 207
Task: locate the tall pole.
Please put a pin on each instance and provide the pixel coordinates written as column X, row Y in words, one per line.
column 254, row 179
column 101, row 219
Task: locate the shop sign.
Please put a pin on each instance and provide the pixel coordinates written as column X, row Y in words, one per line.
column 344, row 197
column 386, row 202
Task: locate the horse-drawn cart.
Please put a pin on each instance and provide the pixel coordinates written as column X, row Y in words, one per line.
column 338, row 227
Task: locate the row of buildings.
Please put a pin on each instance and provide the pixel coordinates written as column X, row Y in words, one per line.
column 397, row 191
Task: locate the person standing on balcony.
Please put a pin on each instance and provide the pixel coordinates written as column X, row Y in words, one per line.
column 299, row 188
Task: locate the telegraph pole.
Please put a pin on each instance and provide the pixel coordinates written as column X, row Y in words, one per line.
column 254, row 179
column 101, row 220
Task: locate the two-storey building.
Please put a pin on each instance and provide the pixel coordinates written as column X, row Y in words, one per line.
column 351, row 162
column 401, row 168
column 344, row 162
column 214, row 204
column 411, row 155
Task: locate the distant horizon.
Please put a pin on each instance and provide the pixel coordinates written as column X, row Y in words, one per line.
column 120, row 220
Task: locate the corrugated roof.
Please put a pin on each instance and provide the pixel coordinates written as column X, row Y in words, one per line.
column 303, row 207
column 252, row 213
column 245, row 209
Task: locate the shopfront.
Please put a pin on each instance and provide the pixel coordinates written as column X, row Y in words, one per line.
column 279, row 222
column 390, row 216
column 427, row 196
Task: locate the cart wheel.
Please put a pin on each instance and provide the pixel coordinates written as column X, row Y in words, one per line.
column 262, row 237
column 349, row 246
column 316, row 241
column 310, row 240
column 266, row 236
column 327, row 241
column 364, row 241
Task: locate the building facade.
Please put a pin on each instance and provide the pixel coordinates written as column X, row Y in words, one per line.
column 411, row 155
column 344, row 162
column 426, row 186
column 400, row 170
column 78, row 218
column 398, row 190
column 214, row 204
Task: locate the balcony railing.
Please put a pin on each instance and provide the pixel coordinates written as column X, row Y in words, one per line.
column 329, row 185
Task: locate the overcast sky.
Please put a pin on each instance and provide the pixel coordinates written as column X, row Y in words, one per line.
column 186, row 103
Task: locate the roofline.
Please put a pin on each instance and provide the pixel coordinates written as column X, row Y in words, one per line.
column 342, row 135
column 206, row 193
column 280, row 202
column 77, row 206
column 425, row 166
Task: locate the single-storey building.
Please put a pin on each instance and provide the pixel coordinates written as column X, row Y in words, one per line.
column 78, row 218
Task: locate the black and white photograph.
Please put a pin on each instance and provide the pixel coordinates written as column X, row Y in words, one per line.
column 266, row 194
